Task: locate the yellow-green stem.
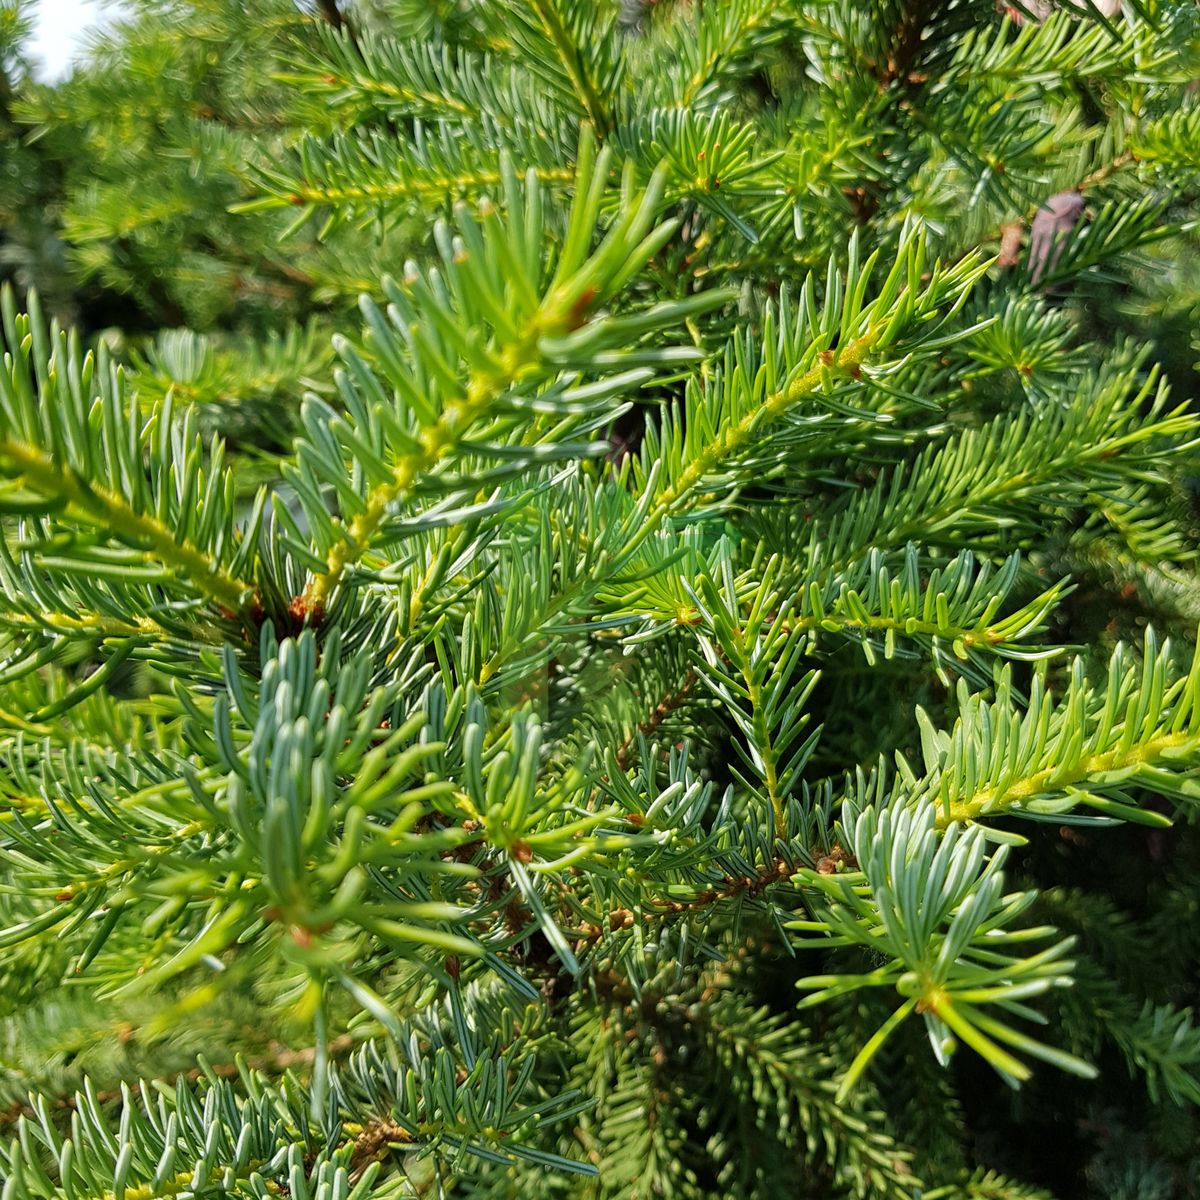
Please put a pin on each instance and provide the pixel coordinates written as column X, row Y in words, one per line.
column 436, row 442
column 762, row 735
column 113, row 514
column 1052, row 779
column 584, row 87
column 438, row 186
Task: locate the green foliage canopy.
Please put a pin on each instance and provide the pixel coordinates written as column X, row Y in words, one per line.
column 674, row 684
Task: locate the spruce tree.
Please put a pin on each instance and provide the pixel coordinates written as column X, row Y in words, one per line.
column 599, row 600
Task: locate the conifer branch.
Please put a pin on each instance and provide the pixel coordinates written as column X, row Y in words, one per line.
column 78, row 463
column 404, row 78
column 93, row 623
column 433, row 187
column 540, row 331
column 734, row 416
column 572, row 57
column 755, row 1038
column 844, row 362
column 728, row 40
column 111, row 513
column 670, row 700
column 1087, row 750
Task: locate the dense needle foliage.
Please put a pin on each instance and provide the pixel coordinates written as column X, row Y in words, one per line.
column 599, row 599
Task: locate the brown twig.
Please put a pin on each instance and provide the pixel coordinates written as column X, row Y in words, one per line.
column 669, row 701
column 732, row 887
